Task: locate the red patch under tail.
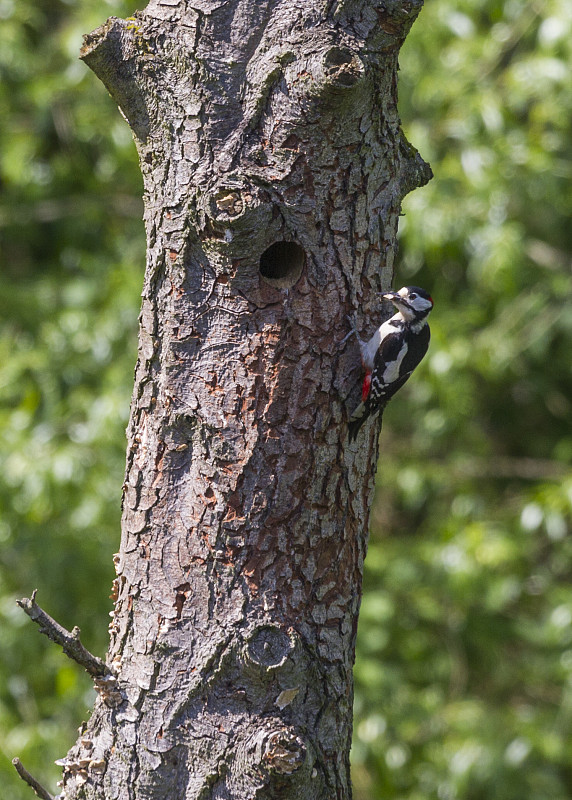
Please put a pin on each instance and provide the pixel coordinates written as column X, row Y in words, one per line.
column 366, row 387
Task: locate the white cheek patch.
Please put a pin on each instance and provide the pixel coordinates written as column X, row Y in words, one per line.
column 421, row 304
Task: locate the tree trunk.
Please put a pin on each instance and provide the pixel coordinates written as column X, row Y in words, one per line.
column 274, row 169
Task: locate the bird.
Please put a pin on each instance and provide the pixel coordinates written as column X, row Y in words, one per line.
column 392, row 353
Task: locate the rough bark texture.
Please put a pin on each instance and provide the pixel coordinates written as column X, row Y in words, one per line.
column 245, row 510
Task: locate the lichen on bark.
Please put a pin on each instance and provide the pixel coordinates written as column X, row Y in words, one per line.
column 274, row 168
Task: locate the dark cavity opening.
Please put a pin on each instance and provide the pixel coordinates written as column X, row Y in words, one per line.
column 341, row 67
column 337, row 57
column 282, row 263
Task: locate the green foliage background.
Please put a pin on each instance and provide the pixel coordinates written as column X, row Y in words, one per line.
column 464, row 666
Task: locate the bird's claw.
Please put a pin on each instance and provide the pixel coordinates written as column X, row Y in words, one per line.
column 352, row 332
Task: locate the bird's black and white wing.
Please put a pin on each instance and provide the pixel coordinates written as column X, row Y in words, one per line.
column 394, row 362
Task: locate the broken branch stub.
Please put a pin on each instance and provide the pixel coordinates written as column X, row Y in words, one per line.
column 39, row 790
column 69, row 641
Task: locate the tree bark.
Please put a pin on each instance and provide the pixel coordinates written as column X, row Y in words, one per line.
column 274, row 168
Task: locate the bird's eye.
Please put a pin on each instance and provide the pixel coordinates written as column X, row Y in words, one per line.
column 413, row 296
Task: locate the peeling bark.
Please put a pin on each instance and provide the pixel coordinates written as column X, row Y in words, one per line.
column 274, row 168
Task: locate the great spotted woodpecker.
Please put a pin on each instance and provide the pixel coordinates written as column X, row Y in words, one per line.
column 392, row 353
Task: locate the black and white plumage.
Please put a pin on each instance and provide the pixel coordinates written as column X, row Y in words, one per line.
column 393, row 352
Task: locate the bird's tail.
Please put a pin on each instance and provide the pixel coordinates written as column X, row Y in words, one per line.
column 357, row 419
column 354, row 427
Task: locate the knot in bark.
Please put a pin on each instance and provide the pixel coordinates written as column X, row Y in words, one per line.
column 342, row 68
column 269, row 647
column 284, row 752
column 396, row 16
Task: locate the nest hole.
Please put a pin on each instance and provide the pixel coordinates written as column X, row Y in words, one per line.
column 282, row 263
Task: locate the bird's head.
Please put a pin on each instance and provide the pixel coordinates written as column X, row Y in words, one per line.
column 413, row 303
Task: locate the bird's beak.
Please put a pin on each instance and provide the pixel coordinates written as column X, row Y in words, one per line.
column 395, row 297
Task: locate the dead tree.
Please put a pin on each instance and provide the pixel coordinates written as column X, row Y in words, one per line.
column 274, row 169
